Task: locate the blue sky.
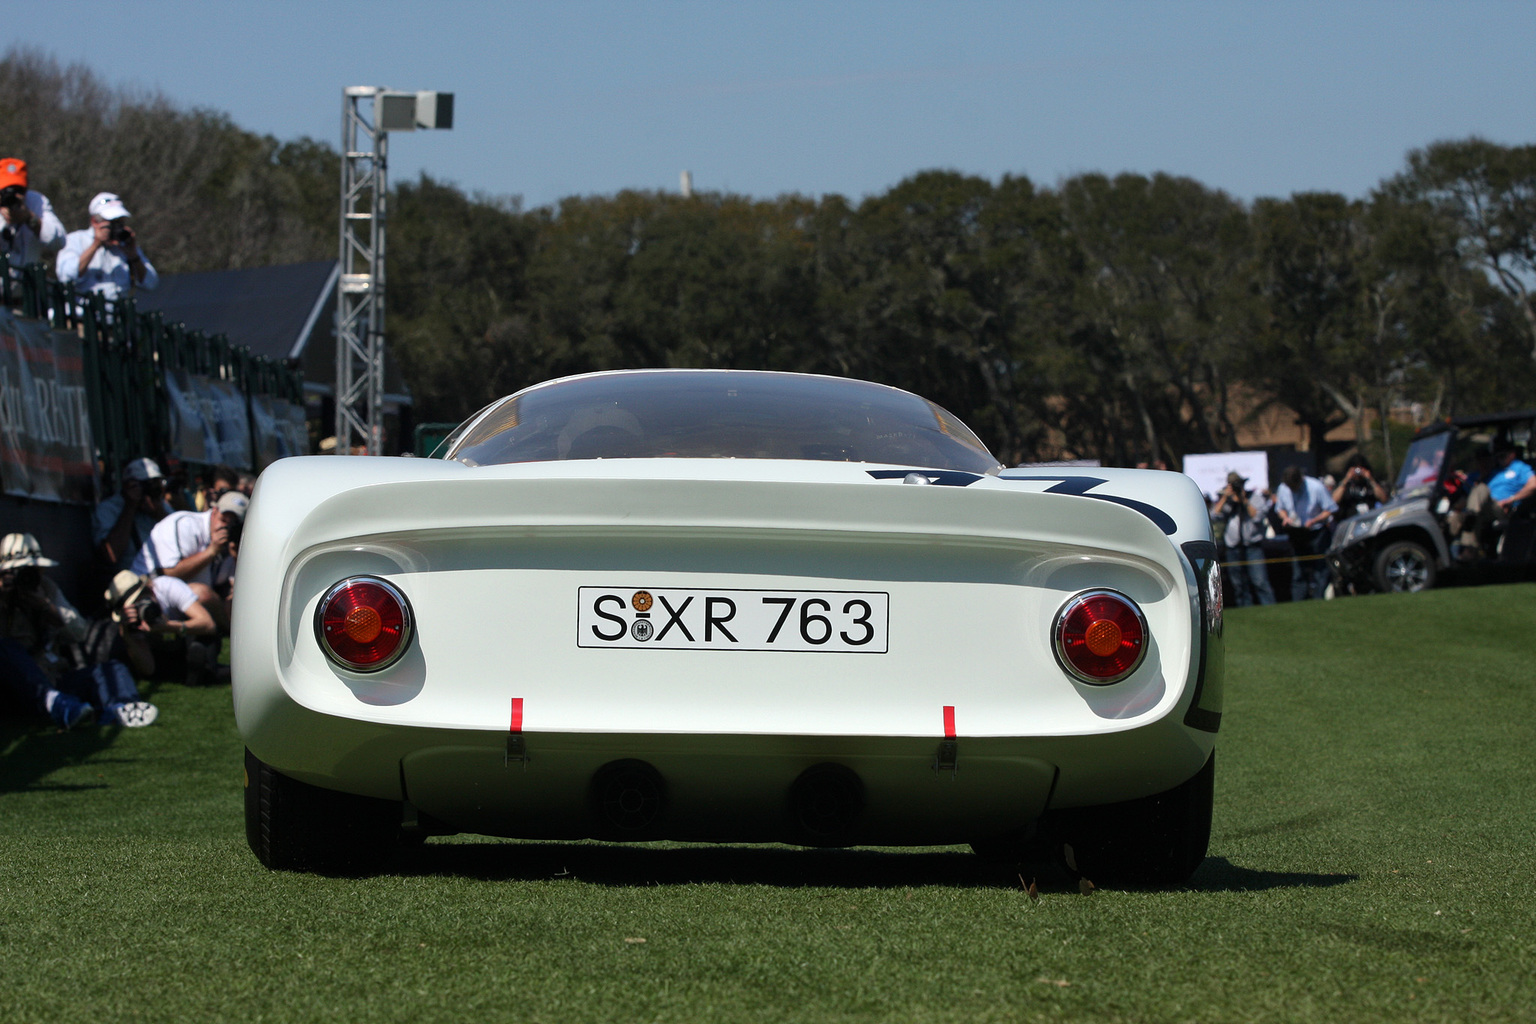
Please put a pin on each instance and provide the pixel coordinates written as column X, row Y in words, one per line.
column 593, row 96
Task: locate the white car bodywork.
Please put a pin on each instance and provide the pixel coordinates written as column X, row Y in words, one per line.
column 967, row 726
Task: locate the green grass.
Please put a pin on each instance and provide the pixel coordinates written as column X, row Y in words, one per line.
column 1372, row 860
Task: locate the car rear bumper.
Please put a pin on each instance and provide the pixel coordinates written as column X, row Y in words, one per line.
column 736, row 788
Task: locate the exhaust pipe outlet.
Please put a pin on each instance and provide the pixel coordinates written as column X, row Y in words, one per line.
column 826, row 801
column 628, row 798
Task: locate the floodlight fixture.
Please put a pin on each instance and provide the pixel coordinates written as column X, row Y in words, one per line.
column 407, row 111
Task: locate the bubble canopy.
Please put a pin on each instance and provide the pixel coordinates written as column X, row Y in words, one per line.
column 717, row 414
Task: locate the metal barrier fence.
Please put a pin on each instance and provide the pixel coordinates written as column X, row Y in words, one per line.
column 143, row 375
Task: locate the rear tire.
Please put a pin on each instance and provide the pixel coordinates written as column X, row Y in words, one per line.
column 293, row 826
column 1157, row 840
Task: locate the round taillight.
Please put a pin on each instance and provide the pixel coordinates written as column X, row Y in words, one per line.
column 1100, row 636
column 364, row 623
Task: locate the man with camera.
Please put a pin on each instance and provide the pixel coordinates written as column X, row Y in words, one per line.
column 105, row 258
column 197, row 547
column 121, row 524
column 41, row 666
column 1243, row 514
column 160, row 615
column 1359, row 491
column 29, row 230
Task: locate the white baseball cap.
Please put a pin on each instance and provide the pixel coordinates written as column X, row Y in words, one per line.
column 142, row 469
column 108, row 206
column 233, row 502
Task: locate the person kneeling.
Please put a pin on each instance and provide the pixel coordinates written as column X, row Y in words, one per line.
column 162, row 615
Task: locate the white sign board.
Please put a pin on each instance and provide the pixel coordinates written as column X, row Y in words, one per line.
column 1210, row 471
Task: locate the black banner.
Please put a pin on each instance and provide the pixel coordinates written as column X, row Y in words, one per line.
column 46, row 450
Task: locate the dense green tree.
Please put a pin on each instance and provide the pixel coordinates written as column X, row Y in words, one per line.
column 455, row 295
column 1489, row 192
column 1310, row 327
column 1166, row 262
column 950, row 287
column 1106, row 317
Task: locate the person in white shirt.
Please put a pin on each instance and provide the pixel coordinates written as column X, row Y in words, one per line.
column 165, row 609
column 29, row 230
column 105, row 258
column 189, row 546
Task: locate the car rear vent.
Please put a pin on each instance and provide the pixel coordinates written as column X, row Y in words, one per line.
column 628, row 797
column 826, row 801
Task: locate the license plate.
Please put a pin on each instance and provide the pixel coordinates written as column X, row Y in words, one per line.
column 845, row 621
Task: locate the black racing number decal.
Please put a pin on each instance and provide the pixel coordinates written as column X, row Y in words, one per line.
column 861, row 620
column 1082, row 487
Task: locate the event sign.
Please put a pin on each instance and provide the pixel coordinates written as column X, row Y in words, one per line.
column 1209, row 471
column 46, row 450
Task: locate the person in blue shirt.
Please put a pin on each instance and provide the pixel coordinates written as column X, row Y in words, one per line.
column 1306, row 508
column 1491, row 501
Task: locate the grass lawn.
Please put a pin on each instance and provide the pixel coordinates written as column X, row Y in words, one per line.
column 1371, row 860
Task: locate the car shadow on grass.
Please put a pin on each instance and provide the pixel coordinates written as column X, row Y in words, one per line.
column 623, row 865
column 1217, row 874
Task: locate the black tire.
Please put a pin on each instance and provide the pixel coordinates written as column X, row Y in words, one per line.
column 1404, row 567
column 293, row 826
column 1157, row 840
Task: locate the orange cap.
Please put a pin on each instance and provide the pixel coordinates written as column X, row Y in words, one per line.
column 12, row 172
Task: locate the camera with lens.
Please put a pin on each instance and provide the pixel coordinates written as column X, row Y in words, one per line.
column 149, row 611
column 119, row 232
column 26, row 578
column 12, row 197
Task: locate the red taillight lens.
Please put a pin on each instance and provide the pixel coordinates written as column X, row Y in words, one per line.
column 1101, row 636
column 364, row 623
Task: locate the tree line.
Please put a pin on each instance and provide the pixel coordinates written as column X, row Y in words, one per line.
column 1128, row 318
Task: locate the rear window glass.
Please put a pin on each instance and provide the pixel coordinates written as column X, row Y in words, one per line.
column 718, row 414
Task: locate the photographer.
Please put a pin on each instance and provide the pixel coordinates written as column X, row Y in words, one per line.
column 105, row 258
column 1243, row 512
column 1359, row 491
column 41, row 666
column 154, row 615
column 121, row 524
column 29, row 231
column 199, row 548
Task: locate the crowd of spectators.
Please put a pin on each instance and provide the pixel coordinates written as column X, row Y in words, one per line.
column 54, row 660
column 1292, row 526
column 169, row 552
column 104, row 258
column 1302, row 511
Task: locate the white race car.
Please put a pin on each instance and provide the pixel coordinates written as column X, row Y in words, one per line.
column 728, row 606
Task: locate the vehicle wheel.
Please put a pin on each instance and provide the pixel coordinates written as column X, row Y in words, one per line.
column 1404, row 567
column 1156, row 840
column 293, row 826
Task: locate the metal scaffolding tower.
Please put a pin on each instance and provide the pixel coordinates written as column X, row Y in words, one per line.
column 368, row 115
